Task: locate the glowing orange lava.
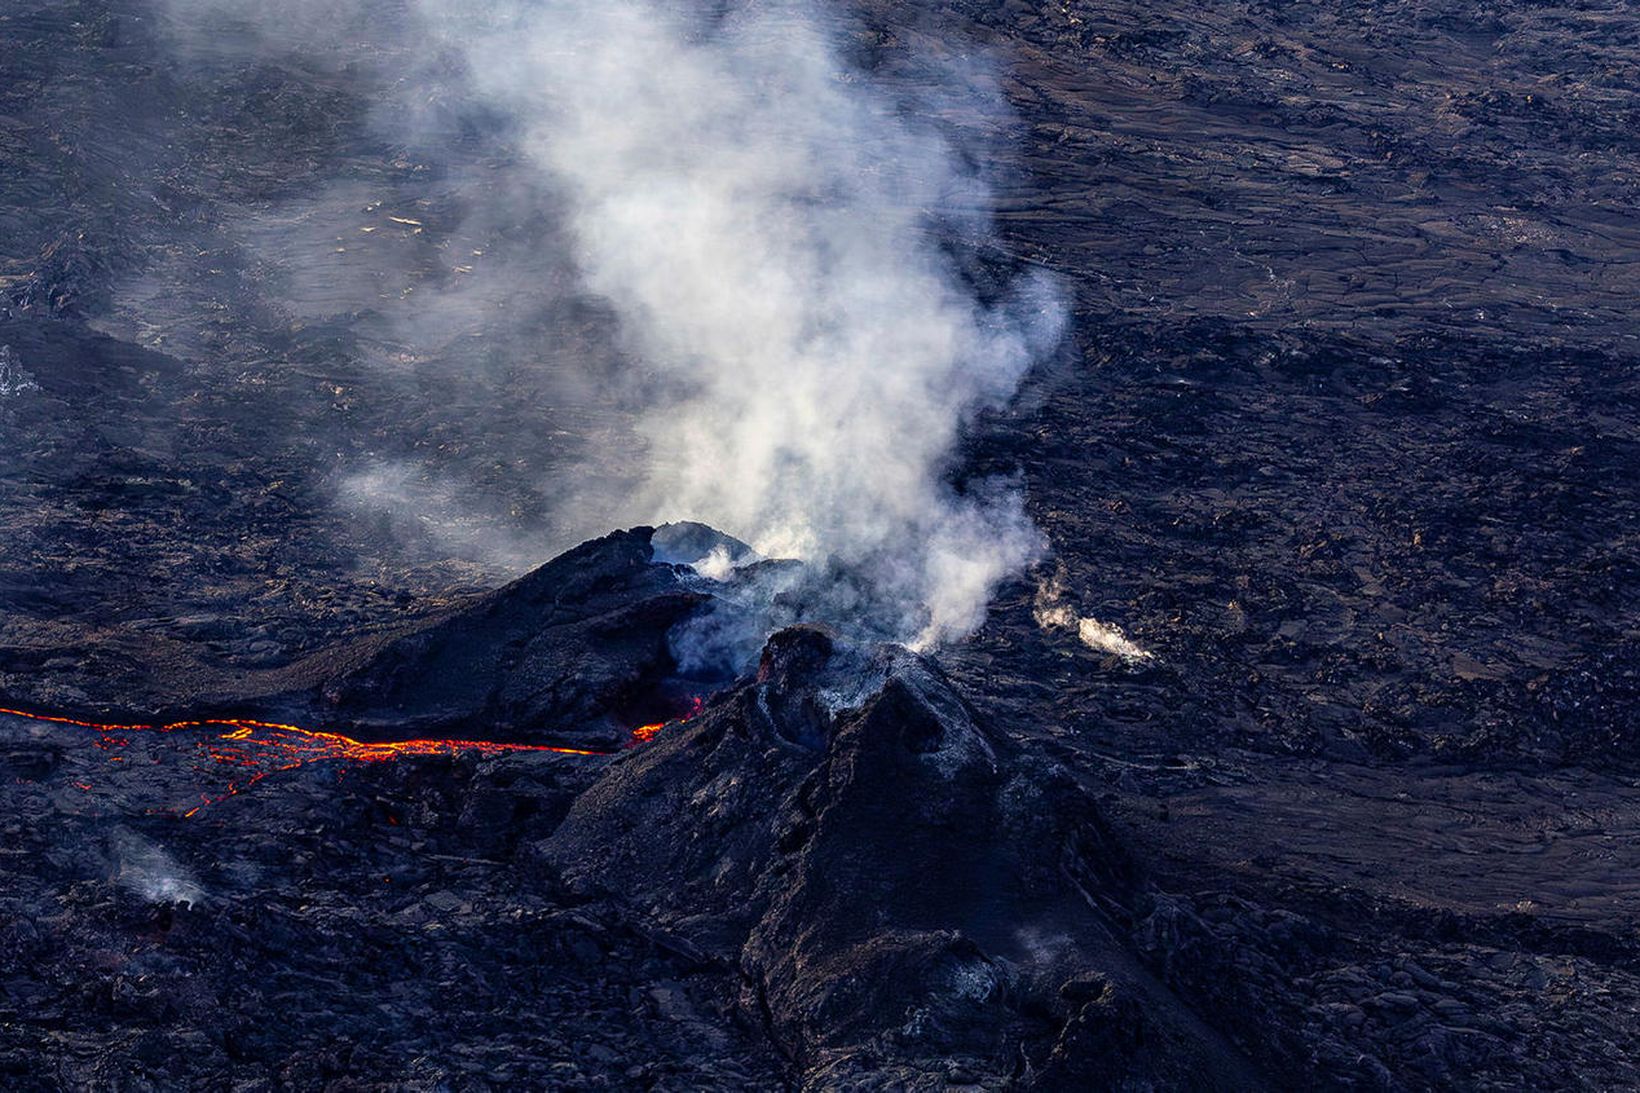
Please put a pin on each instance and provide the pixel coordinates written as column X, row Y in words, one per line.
column 643, row 734
column 261, row 748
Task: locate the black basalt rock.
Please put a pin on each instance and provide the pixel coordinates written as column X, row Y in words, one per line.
column 573, row 650
column 904, row 893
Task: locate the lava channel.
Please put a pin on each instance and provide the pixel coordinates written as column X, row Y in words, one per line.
column 259, row 749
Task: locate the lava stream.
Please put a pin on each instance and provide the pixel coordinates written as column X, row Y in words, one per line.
column 643, row 734
column 261, row 748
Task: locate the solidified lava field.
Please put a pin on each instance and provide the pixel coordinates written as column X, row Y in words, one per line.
column 349, row 733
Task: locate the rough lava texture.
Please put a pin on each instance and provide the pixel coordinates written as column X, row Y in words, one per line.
column 1345, row 433
column 908, row 899
column 835, row 873
column 576, row 650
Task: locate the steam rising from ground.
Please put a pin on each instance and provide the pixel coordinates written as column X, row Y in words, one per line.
column 774, row 233
column 761, row 221
column 1053, row 613
column 145, row 869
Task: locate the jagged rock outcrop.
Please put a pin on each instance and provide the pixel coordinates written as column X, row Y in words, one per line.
column 909, row 899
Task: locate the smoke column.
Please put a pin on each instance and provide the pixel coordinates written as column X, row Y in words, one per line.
column 766, row 223
column 760, row 218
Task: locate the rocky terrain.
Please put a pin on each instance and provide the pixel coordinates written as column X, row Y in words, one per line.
column 1343, row 437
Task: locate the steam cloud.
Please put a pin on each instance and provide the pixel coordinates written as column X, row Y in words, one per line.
column 773, row 232
column 145, row 869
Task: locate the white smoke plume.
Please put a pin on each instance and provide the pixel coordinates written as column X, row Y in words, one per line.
column 773, row 231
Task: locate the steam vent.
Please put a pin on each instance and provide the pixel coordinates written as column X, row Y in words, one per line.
column 824, row 546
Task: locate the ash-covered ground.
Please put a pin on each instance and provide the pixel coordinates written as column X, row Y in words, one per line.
column 294, row 399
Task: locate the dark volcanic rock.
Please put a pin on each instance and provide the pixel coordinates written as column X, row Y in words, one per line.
column 909, row 898
column 1345, row 433
column 370, row 928
column 576, row 648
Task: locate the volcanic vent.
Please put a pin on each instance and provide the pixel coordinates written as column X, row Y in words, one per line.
column 894, row 895
column 904, row 896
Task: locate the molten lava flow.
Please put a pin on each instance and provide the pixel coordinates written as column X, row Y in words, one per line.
column 261, row 748
column 643, row 734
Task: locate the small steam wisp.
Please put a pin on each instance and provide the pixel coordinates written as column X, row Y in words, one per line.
column 1053, row 613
